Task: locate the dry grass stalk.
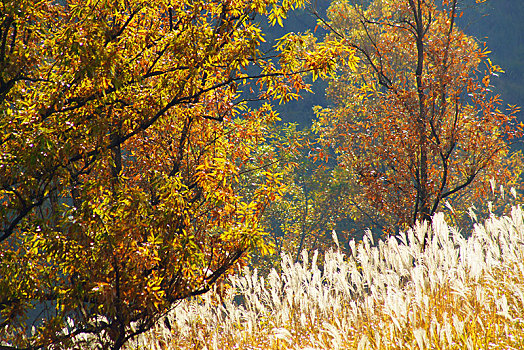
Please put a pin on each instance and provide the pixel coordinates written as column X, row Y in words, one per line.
column 457, row 293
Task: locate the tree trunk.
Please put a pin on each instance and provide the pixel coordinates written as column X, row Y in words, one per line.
column 423, row 210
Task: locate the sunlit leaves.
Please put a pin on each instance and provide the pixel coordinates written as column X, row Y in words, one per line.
column 126, row 140
column 416, row 121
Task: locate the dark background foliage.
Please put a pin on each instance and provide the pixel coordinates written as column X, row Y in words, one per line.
column 498, row 23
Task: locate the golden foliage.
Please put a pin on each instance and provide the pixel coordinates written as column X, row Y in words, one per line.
column 124, row 136
column 416, row 121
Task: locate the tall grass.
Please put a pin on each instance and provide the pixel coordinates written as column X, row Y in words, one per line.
column 457, row 293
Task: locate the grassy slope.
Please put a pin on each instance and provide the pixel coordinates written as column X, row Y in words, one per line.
column 456, row 294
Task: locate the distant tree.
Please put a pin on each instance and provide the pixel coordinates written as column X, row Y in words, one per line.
column 312, row 203
column 415, row 122
column 125, row 135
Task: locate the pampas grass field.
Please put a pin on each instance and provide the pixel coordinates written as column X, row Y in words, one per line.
column 457, row 293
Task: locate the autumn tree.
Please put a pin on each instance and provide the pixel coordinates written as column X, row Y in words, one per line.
column 125, row 135
column 310, row 207
column 415, row 123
